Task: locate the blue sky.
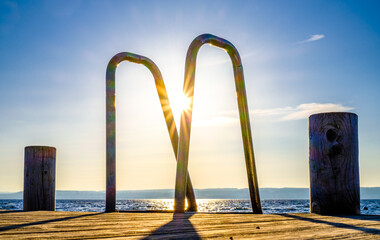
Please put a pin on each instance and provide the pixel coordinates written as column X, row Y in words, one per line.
column 299, row 57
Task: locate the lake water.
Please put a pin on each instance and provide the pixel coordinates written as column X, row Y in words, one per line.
column 371, row 207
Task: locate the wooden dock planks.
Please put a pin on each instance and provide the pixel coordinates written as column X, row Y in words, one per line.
column 89, row 225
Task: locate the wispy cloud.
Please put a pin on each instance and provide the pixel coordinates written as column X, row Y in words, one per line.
column 313, row 38
column 301, row 111
column 288, row 113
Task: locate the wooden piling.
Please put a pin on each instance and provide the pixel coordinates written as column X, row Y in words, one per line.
column 334, row 165
column 39, row 178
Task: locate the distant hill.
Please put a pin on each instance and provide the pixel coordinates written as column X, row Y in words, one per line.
column 210, row 193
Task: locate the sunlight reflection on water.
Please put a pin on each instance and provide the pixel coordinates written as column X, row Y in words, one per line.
column 204, row 205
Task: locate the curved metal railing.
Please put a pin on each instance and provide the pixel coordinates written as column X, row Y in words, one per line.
column 111, row 124
column 186, row 118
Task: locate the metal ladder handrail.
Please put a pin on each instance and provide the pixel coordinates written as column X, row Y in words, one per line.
column 111, row 124
column 186, row 118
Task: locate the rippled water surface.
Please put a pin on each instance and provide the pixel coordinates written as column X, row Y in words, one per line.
column 204, row 205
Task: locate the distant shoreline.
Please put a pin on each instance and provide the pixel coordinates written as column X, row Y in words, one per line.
column 210, row 193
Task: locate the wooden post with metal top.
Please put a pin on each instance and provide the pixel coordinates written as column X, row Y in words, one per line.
column 111, row 124
column 186, row 117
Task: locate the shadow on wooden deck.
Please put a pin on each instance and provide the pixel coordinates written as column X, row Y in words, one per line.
column 10, row 227
column 179, row 227
column 340, row 225
column 10, row 211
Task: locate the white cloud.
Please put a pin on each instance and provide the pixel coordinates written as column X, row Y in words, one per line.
column 302, row 111
column 313, row 38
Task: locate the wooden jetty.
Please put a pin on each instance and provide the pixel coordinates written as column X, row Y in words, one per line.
column 334, row 184
column 139, row 225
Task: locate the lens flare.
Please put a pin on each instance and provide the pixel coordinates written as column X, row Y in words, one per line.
column 180, row 103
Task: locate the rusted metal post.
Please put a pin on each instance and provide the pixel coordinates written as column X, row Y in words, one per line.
column 111, row 124
column 186, row 117
column 334, row 163
column 39, row 178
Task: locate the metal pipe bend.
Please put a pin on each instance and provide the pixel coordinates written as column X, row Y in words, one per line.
column 217, row 42
column 186, row 119
column 111, row 129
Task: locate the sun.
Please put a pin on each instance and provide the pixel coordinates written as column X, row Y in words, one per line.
column 180, row 103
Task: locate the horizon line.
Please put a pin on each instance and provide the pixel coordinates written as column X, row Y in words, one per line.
column 166, row 189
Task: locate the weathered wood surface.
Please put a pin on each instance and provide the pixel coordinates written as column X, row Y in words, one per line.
column 76, row 225
column 334, row 164
column 39, row 178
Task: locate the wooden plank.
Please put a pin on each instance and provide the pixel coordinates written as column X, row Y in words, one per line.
column 90, row 225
